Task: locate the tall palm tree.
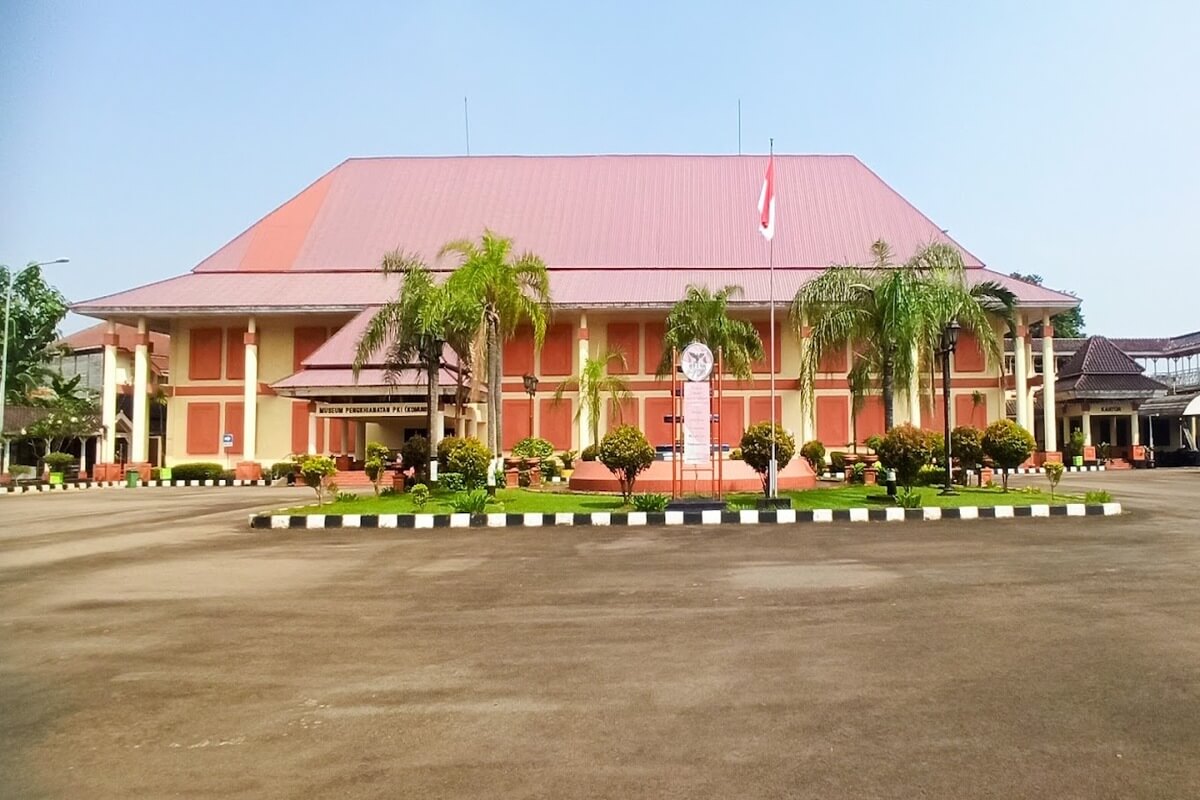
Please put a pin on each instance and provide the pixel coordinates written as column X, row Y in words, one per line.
column 703, row 316
column 594, row 382
column 508, row 290
column 413, row 327
column 892, row 316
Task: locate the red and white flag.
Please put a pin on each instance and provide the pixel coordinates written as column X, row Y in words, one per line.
column 766, row 203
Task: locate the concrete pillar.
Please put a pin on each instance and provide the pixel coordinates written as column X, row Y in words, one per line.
column 1049, row 375
column 83, row 462
column 1135, row 429
column 1021, row 374
column 248, row 467
column 1087, row 427
column 585, row 422
column 360, row 441
column 808, row 422
column 1066, row 428
column 108, row 398
column 312, row 431
column 139, row 446
column 914, row 393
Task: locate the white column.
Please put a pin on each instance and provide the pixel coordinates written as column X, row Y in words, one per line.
column 1112, row 430
column 1135, row 429
column 585, row 422
column 439, row 427
column 108, row 401
column 1021, row 376
column 1087, row 427
column 139, row 446
column 1066, row 428
column 250, row 394
column 83, row 462
column 914, row 393
column 312, row 432
column 1049, row 375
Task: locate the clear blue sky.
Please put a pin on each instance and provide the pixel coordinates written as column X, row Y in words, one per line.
column 1053, row 137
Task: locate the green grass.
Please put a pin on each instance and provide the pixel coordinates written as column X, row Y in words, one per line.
column 518, row 501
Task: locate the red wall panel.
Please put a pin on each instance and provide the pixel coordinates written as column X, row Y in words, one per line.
column 657, row 431
column 655, row 331
column 518, row 354
column 968, row 356
column 235, row 413
column 764, row 333
column 204, row 428
column 871, row 418
column 516, row 422
column 300, row 429
column 624, row 338
column 833, row 420
column 967, row 413
column 837, row 362
column 305, row 342
column 733, row 420
column 554, row 421
column 204, row 354
column 760, row 409
column 556, row 352
column 628, row 413
column 235, row 354
column 933, row 414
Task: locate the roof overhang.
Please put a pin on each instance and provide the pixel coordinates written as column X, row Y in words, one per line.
column 1173, row 405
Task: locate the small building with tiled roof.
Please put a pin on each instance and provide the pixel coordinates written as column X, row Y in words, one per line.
column 622, row 237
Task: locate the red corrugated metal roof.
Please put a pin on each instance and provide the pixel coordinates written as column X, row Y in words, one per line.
column 585, row 211
column 93, row 338
column 339, row 349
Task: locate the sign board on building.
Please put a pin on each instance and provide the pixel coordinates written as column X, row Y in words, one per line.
column 1115, row 408
column 226, row 440
column 371, row 409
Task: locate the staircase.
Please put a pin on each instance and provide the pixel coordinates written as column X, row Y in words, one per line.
column 1117, row 463
column 350, row 480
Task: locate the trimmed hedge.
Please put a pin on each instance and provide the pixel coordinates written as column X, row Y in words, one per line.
column 197, row 471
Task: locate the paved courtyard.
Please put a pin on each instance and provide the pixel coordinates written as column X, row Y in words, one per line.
column 152, row 646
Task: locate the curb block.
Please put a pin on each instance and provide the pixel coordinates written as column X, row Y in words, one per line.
column 85, row 485
column 783, row 516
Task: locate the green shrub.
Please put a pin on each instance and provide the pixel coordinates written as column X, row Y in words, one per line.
column 414, row 455
column 316, row 471
column 388, row 491
column 626, row 453
column 756, row 448
column 345, row 497
column 590, row 453
column 858, row 472
column 472, row 501
column 1008, row 445
column 550, row 468
column 498, row 475
column 908, row 499
column 16, row 471
column 444, row 448
column 470, row 458
column 906, row 450
column 228, row 475
column 533, row 447
column 375, row 468
column 280, row 469
column 649, row 502
column 966, row 444
column 931, row 475
column 814, row 453
column 419, row 495
column 567, row 457
column 937, row 447
column 452, row 481
column 1075, row 448
column 197, row 471
column 1054, row 473
column 837, row 461
column 378, row 450
column 873, row 441
column 1095, row 498
column 735, row 454
column 58, row 462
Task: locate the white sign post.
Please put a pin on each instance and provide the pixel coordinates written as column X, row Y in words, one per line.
column 697, row 423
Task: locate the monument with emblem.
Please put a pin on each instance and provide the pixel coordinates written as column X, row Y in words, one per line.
column 696, row 389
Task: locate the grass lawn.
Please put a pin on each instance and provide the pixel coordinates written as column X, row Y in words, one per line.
column 516, row 501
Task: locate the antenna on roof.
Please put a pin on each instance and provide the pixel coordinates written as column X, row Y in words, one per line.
column 467, row 124
column 739, row 126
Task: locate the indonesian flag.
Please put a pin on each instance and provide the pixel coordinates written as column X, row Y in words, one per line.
column 766, row 203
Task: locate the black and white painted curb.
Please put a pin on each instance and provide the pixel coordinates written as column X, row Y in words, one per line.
column 82, row 485
column 1042, row 470
column 783, row 516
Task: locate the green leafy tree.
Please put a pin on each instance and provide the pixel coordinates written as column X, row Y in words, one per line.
column 1054, row 473
column 891, row 317
column 376, row 464
column 508, row 290
column 906, row 450
column 316, row 471
column 1067, row 324
column 703, row 316
column 966, row 444
column 69, row 415
column 37, row 309
column 412, row 328
column 1008, row 445
column 626, row 453
column 814, row 453
column 594, row 383
column 414, row 455
column 470, row 458
column 756, row 449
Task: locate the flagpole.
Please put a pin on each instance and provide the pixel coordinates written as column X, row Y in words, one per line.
column 773, row 480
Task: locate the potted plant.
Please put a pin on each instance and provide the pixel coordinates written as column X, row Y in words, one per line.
column 1077, row 449
column 57, row 464
column 567, row 457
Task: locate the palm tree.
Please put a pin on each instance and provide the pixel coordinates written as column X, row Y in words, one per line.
column 412, row 328
column 702, row 316
column 508, row 291
column 593, row 383
column 892, row 316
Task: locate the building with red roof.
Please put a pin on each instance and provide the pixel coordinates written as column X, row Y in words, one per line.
column 261, row 331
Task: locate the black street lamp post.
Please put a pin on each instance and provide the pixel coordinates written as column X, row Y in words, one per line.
column 531, row 384
column 949, row 342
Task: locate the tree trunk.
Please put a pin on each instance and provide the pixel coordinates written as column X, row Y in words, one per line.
column 433, row 393
column 499, row 346
column 889, row 393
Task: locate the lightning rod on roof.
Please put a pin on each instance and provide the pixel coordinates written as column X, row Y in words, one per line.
column 467, row 124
